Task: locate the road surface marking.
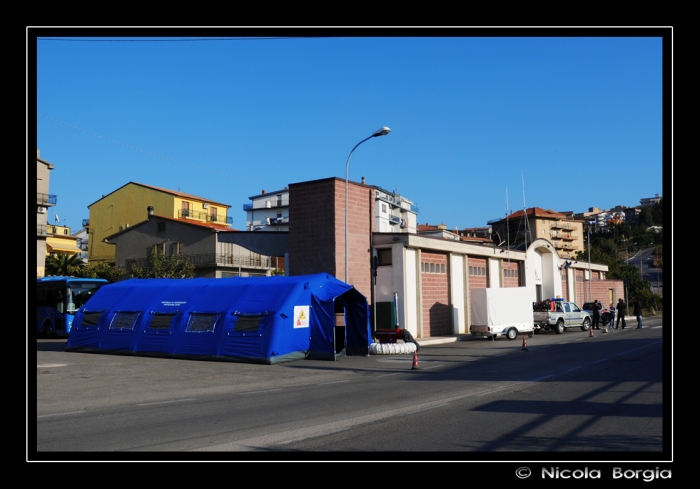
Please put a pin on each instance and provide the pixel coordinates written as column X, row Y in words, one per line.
column 164, row 402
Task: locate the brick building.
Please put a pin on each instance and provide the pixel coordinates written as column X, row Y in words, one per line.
column 423, row 279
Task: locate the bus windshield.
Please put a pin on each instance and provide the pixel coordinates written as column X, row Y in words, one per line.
column 58, row 299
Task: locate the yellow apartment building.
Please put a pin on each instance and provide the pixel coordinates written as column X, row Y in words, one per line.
column 133, row 203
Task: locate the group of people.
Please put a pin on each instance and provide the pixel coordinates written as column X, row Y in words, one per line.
column 621, row 311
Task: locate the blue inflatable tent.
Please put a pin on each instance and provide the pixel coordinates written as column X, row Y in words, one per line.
column 254, row 319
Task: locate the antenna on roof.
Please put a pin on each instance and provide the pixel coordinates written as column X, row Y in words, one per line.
column 527, row 222
column 507, row 226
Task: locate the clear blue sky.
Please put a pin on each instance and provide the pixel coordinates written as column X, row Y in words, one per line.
column 477, row 123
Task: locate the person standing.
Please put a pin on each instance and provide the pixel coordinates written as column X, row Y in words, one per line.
column 621, row 311
column 596, row 314
column 638, row 313
column 611, row 311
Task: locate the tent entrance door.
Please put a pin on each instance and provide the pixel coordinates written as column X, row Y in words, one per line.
column 339, row 341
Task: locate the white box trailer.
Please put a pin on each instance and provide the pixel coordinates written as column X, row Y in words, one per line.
column 501, row 311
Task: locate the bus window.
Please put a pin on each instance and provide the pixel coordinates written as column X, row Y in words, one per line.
column 58, row 299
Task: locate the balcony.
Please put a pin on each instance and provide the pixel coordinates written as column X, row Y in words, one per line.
column 45, row 199
column 203, row 216
column 43, row 230
column 395, row 219
column 217, row 260
column 219, row 219
column 266, row 204
column 86, row 223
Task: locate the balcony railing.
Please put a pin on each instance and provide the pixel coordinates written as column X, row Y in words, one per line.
column 203, row 216
column 43, row 230
column 45, row 199
column 217, row 260
column 86, row 223
column 219, row 219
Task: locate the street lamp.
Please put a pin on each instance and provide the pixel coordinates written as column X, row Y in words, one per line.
column 492, row 232
column 382, row 131
column 590, row 275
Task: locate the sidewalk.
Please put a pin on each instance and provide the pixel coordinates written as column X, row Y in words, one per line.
column 436, row 340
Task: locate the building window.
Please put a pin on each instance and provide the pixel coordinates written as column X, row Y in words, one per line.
column 383, row 208
column 161, row 227
column 158, row 249
column 442, row 268
column 185, row 209
column 177, row 248
column 384, row 257
column 212, row 214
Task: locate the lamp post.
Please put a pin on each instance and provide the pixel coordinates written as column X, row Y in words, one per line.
column 590, row 277
column 382, row 131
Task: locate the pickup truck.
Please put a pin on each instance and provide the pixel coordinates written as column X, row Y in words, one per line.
column 559, row 318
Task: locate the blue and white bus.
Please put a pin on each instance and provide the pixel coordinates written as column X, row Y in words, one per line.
column 57, row 301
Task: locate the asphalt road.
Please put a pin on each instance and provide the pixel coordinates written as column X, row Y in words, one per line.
column 601, row 396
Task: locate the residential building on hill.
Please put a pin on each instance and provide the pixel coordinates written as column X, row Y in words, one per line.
column 650, row 200
column 134, row 202
column 522, row 227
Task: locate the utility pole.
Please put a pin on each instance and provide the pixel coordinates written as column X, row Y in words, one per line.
column 590, row 277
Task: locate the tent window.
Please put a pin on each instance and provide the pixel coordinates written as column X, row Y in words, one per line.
column 202, row 322
column 91, row 319
column 248, row 323
column 124, row 320
column 162, row 320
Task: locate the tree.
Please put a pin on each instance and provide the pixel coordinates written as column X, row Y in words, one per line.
column 161, row 265
column 63, row 264
column 102, row 269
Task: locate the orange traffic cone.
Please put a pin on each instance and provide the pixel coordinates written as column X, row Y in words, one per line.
column 590, row 331
column 415, row 361
column 524, row 342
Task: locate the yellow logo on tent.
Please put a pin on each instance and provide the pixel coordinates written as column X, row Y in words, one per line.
column 301, row 313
